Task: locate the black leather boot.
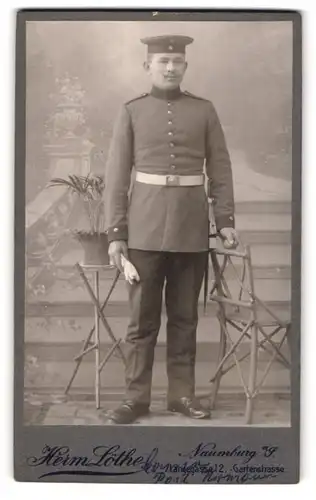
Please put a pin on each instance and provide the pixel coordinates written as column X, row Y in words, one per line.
column 189, row 407
column 128, row 412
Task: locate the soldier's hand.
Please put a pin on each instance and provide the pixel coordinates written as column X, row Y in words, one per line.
column 116, row 250
column 229, row 237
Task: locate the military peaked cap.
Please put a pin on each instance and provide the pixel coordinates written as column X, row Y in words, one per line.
column 167, row 43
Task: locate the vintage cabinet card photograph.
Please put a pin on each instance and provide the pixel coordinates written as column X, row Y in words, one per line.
column 157, row 250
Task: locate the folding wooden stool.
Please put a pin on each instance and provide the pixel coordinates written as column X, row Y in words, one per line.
column 252, row 319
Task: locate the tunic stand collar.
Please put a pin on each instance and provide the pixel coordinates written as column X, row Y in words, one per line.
column 166, row 94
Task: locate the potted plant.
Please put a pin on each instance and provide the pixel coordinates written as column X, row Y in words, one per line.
column 94, row 240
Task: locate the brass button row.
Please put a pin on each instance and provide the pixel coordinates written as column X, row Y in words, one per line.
column 171, row 144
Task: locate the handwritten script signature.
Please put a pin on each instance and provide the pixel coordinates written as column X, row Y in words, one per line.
column 241, row 464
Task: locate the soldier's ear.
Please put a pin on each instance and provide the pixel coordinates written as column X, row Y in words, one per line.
column 146, row 66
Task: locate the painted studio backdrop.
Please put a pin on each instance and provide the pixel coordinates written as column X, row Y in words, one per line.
column 78, row 75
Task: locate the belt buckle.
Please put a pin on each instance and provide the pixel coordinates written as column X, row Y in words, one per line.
column 173, row 180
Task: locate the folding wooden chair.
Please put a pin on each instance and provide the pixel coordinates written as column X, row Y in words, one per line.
column 252, row 320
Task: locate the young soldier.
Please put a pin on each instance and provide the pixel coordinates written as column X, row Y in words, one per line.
column 162, row 227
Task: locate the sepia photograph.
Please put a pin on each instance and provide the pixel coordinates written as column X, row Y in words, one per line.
column 158, row 223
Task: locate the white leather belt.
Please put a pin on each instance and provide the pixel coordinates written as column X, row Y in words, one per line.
column 170, row 180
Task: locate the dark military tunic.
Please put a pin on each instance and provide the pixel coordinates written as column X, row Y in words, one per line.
column 166, row 133
column 176, row 133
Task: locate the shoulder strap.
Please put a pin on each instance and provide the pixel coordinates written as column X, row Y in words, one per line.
column 145, row 94
column 194, row 96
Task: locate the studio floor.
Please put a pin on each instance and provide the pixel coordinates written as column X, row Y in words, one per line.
column 57, row 409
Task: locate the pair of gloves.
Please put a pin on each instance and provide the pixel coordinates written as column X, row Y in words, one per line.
column 118, row 254
column 130, row 273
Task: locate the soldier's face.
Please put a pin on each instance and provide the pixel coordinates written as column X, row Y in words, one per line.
column 166, row 70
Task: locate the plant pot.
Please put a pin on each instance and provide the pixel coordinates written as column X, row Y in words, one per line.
column 95, row 247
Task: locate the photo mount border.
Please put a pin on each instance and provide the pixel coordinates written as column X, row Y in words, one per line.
column 29, row 440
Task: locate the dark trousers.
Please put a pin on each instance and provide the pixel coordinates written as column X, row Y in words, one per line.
column 182, row 274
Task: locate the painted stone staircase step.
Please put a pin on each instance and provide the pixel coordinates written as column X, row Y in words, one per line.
column 263, row 207
column 72, row 329
column 116, row 309
column 64, row 291
column 54, row 376
column 60, row 339
column 267, row 255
